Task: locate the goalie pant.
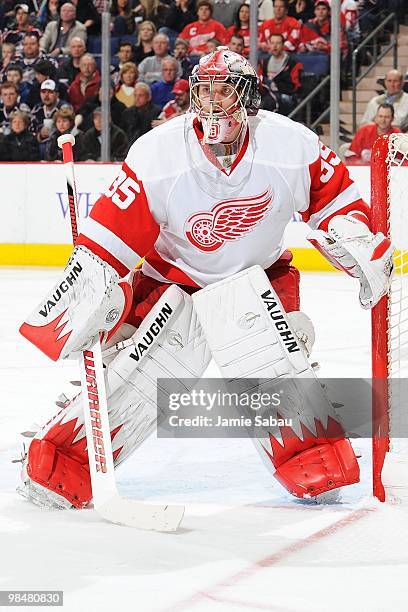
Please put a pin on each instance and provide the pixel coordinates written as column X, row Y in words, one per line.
column 57, row 457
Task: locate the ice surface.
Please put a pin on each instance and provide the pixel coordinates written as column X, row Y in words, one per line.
column 245, row 543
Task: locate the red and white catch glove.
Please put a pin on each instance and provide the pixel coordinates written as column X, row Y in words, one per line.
column 87, row 300
column 350, row 246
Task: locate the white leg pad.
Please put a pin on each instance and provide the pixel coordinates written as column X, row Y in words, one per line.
column 168, row 344
column 250, row 336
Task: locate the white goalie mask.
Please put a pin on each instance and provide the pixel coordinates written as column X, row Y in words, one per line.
column 224, row 91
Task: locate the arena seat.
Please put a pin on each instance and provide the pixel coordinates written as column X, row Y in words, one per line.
column 315, row 63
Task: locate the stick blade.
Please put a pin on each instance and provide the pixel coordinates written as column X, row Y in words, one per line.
column 137, row 514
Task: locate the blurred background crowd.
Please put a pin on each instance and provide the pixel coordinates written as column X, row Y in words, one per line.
column 51, row 61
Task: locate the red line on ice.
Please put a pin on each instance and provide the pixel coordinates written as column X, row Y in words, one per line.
column 212, row 593
column 249, row 604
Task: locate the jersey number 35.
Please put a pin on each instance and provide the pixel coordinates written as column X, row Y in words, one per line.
column 123, row 190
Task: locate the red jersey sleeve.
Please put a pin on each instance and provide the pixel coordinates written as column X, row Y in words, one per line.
column 310, row 37
column 262, row 30
column 185, row 33
column 293, row 36
column 121, row 228
column 221, row 33
column 332, row 192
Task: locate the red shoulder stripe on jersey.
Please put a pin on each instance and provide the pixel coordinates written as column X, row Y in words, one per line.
column 97, row 249
column 168, row 270
column 124, row 211
column 331, row 187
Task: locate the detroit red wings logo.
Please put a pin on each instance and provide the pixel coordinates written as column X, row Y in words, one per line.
column 228, row 220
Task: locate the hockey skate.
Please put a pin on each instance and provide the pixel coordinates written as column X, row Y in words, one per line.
column 36, row 493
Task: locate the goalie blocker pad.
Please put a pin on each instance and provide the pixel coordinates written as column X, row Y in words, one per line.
column 87, row 300
column 250, row 336
column 168, row 344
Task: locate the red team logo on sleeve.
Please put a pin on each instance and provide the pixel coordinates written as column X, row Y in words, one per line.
column 228, row 220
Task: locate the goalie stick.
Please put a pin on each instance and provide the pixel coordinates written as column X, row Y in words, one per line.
column 107, row 501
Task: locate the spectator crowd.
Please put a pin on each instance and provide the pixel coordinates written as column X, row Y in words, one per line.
column 385, row 114
column 50, row 81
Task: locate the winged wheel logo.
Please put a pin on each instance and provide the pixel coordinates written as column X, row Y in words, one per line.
column 226, row 221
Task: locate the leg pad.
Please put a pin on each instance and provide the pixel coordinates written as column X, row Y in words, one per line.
column 53, row 469
column 319, row 469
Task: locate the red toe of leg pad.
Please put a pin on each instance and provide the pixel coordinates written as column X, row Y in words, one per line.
column 319, row 469
column 54, row 470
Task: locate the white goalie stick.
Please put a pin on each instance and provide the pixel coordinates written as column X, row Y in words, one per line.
column 107, row 501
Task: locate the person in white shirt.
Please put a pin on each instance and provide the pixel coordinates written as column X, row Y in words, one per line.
column 150, row 69
column 394, row 95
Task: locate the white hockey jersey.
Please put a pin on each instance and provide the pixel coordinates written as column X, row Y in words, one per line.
column 196, row 223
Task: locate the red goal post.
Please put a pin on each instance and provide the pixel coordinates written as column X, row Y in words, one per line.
column 389, row 214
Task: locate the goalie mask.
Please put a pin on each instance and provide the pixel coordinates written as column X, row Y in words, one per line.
column 224, row 91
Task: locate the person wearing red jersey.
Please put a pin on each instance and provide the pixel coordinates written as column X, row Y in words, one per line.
column 198, row 33
column 241, row 27
column 365, row 137
column 205, row 199
column 315, row 33
column 176, row 107
column 280, row 24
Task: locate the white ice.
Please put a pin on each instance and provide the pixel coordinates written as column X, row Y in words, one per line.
column 244, row 544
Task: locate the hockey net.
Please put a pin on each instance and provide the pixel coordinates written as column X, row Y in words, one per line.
column 389, row 206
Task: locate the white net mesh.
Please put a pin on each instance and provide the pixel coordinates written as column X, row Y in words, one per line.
column 398, row 303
